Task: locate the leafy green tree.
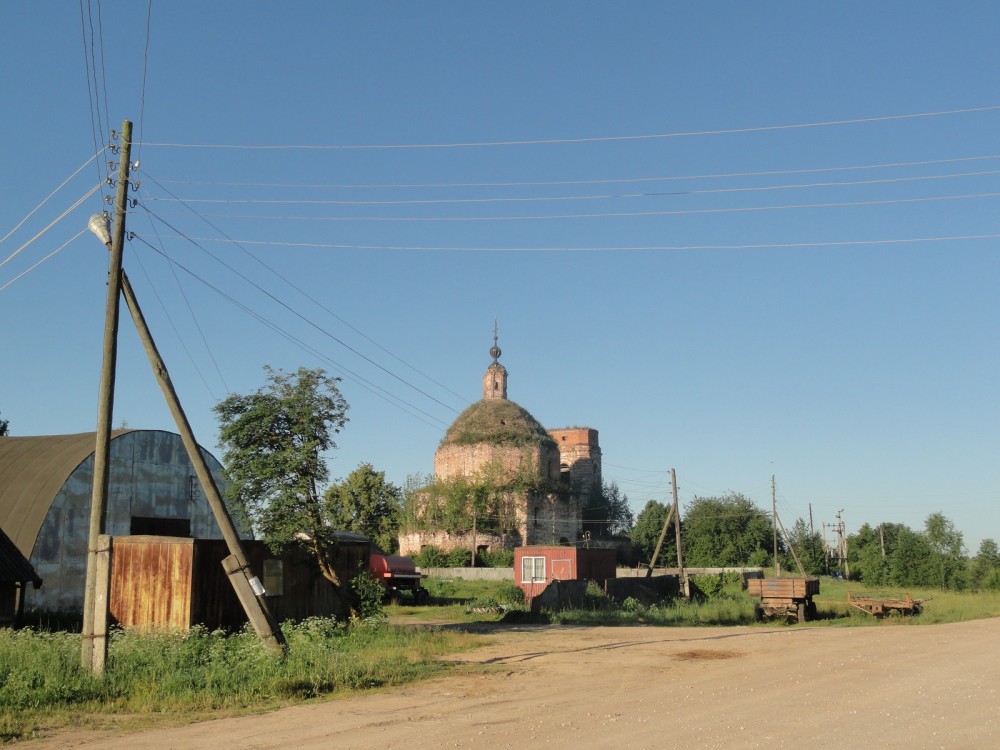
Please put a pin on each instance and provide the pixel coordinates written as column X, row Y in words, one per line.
column 726, row 531
column 646, row 532
column 273, row 442
column 366, row 503
column 606, row 512
column 948, row 551
column 984, row 570
column 4, row 425
column 870, row 552
column 912, row 560
column 808, row 546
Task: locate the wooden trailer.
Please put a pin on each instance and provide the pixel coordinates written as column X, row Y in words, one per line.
column 784, row 597
column 879, row 606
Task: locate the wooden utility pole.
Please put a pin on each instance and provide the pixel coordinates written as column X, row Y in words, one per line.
column 774, row 521
column 247, row 585
column 93, row 651
column 659, row 543
column 677, row 535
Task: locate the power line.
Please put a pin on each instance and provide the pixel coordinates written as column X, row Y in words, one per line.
column 610, row 248
column 600, row 181
column 613, row 214
column 596, row 139
column 349, row 374
column 331, row 313
column 53, row 223
column 47, row 197
column 37, row 264
column 555, row 198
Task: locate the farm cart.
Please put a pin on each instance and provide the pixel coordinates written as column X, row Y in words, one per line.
column 881, row 606
column 784, row 597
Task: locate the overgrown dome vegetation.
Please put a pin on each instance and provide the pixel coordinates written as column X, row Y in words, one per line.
column 496, row 421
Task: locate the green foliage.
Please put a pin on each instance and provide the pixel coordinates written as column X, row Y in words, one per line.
column 181, row 672
column 490, row 497
column 496, row 422
column 808, row 548
column 273, row 443
column 725, row 531
column 4, row 427
column 459, row 558
column 895, row 555
column 984, row 570
column 646, row 531
column 497, row 558
column 368, row 595
column 606, row 512
column 430, row 556
column 366, row 503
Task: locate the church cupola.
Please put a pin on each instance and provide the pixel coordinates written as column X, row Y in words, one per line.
column 495, row 379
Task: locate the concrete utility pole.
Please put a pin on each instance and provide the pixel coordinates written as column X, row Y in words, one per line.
column 92, row 653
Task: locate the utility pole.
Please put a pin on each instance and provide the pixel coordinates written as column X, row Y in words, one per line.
column 774, row 522
column 93, row 654
column 677, row 536
column 246, row 585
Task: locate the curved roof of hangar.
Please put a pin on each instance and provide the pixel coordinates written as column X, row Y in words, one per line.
column 495, row 421
column 32, row 471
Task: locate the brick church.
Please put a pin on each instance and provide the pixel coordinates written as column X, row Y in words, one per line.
column 558, row 469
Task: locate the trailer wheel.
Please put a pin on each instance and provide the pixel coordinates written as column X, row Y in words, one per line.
column 420, row 596
column 758, row 612
column 811, row 610
column 802, row 612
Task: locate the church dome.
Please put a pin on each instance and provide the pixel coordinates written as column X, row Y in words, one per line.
column 497, row 422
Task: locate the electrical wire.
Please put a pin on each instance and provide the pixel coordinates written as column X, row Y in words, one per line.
column 597, row 139
column 145, row 69
column 91, row 93
column 274, row 272
column 350, row 374
column 601, row 181
column 610, row 248
column 614, row 214
column 556, row 198
column 47, row 197
column 37, row 264
column 52, row 224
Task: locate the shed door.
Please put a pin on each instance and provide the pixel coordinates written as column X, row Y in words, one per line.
column 562, row 570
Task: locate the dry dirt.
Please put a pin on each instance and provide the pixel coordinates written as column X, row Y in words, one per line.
column 935, row 686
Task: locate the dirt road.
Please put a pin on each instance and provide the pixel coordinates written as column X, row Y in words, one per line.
column 799, row 687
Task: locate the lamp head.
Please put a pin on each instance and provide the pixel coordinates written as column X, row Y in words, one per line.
column 100, row 225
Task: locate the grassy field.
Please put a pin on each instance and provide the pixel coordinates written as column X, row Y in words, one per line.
column 162, row 678
column 170, row 677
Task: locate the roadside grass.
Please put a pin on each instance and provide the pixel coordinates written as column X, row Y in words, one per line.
column 174, row 677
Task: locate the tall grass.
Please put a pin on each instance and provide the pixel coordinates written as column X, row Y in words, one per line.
column 43, row 686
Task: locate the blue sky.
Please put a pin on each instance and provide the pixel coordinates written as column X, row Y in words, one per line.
column 738, row 239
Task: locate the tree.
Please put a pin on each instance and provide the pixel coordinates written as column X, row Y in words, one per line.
column 808, row 546
column 4, row 425
column 366, row 503
column 727, row 530
column 985, row 566
column 273, row 443
column 946, row 542
column 646, row 532
column 606, row 513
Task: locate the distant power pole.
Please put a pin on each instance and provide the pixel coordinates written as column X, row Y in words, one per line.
column 774, row 523
column 677, row 535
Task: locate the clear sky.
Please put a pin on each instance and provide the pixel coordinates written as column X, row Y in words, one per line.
column 738, row 239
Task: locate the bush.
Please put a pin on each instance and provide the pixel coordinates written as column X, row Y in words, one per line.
column 430, row 557
column 499, row 558
column 459, row 558
column 368, row 594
